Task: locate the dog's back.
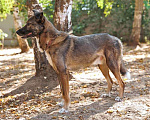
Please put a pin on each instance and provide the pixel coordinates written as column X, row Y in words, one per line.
column 91, row 49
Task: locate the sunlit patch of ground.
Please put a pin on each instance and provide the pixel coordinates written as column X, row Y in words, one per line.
column 15, row 69
column 86, row 87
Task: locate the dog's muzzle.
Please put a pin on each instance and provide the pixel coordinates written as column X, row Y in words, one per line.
column 25, row 35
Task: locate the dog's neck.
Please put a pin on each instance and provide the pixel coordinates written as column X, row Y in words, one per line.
column 50, row 27
column 50, row 35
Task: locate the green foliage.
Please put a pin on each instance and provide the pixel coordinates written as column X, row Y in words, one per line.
column 2, row 34
column 114, row 17
column 80, row 8
column 13, row 33
column 147, row 4
column 5, row 8
column 48, row 8
column 84, row 13
column 29, row 42
column 122, row 14
column 78, row 29
column 23, row 11
column 106, row 5
column 145, row 25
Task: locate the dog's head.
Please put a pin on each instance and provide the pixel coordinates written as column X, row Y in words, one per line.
column 34, row 26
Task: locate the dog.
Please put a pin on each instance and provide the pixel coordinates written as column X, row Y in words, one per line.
column 68, row 53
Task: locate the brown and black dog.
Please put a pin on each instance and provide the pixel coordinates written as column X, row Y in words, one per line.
column 66, row 53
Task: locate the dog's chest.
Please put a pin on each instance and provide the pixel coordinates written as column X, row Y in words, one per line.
column 38, row 45
column 46, row 53
column 49, row 58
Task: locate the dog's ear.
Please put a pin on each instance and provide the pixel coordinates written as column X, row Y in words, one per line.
column 39, row 16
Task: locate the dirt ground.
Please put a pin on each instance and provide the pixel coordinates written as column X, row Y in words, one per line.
column 24, row 96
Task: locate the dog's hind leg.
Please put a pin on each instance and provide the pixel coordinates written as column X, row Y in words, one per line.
column 114, row 66
column 64, row 84
column 104, row 69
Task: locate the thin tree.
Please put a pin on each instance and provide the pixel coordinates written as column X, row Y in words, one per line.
column 62, row 15
column 23, row 44
column 136, row 30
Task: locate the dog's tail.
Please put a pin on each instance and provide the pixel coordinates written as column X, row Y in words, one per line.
column 124, row 71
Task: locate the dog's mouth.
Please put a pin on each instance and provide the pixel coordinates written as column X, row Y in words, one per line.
column 28, row 35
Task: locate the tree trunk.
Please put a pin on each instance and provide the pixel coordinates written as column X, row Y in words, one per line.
column 143, row 40
column 23, row 44
column 62, row 15
column 136, row 30
column 41, row 64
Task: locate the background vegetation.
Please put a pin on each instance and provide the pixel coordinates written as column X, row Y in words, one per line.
column 93, row 16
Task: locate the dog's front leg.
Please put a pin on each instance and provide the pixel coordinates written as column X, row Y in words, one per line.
column 64, row 85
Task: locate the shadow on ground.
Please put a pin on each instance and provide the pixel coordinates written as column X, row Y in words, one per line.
column 82, row 112
column 32, row 87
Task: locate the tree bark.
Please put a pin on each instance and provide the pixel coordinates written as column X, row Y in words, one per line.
column 136, row 30
column 23, row 44
column 41, row 64
column 62, row 15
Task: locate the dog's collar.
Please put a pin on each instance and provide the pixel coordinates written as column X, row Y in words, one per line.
column 48, row 45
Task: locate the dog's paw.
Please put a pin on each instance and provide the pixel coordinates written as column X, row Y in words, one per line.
column 60, row 104
column 118, row 99
column 105, row 95
column 63, row 110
